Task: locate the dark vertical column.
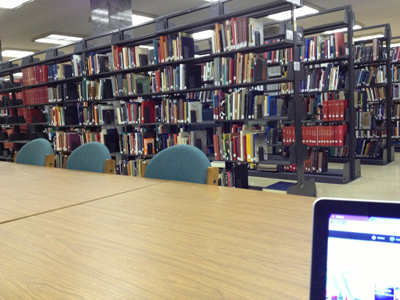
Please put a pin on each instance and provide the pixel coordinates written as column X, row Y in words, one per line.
column 110, row 14
column 352, row 123
column 389, row 123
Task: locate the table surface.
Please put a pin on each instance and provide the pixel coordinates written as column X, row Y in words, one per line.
column 28, row 190
column 168, row 241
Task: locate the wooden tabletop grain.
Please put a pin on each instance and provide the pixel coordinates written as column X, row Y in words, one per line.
column 167, row 241
column 26, row 190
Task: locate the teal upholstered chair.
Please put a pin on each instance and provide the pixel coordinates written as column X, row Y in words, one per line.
column 182, row 163
column 92, row 157
column 37, row 152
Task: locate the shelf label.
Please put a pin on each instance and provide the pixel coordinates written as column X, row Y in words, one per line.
column 289, row 35
column 296, row 65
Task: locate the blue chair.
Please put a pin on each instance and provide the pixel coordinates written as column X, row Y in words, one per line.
column 182, row 163
column 37, row 152
column 92, row 157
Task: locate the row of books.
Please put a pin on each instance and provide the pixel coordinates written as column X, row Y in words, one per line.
column 130, row 84
column 396, row 92
column 170, row 111
column 395, row 73
column 314, row 103
column 364, row 53
column 323, row 47
column 334, row 110
column 67, row 140
column 98, row 63
column 317, row 163
column 237, row 33
column 369, row 76
column 366, row 119
column 369, row 96
column 46, row 73
column 246, row 144
column 371, row 134
column 281, row 56
column 136, row 143
column 64, row 92
column 396, row 129
column 60, row 160
column 173, row 48
column 318, row 136
column 131, row 167
column 241, row 68
column 37, row 95
column 246, row 104
column 324, row 79
column 396, row 111
column 31, row 115
column 395, row 53
column 128, row 57
column 367, row 148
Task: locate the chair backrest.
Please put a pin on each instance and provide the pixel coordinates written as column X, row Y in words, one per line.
column 89, row 157
column 180, row 163
column 34, row 152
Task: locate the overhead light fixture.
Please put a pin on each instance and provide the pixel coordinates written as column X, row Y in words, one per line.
column 202, row 35
column 395, row 45
column 344, row 29
column 13, row 4
column 17, row 75
column 58, row 39
column 139, row 19
column 16, row 53
column 369, row 37
column 298, row 12
column 212, row 0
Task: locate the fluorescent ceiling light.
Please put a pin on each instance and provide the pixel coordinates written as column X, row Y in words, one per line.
column 395, row 45
column 202, row 35
column 138, row 19
column 369, row 37
column 212, row 0
column 13, row 4
column 58, row 39
column 342, row 29
column 298, row 12
column 16, row 53
column 17, row 75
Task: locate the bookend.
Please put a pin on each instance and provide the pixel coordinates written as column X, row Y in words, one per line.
column 212, row 176
column 305, row 188
column 109, row 167
column 218, row 9
column 80, row 46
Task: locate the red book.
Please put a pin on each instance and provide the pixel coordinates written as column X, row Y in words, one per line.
column 233, row 31
column 337, row 110
column 235, row 142
column 158, row 81
column 330, row 111
column 216, row 147
column 339, row 44
column 343, row 106
column 148, row 112
column 325, row 110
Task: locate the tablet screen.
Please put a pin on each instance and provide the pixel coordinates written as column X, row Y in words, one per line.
column 363, row 258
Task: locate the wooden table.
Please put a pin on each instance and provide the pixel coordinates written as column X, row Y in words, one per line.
column 27, row 190
column 167, row 241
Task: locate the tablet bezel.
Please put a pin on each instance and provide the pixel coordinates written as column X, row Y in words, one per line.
column 323, row 208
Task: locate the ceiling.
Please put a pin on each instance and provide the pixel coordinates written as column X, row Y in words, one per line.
column 18, row 27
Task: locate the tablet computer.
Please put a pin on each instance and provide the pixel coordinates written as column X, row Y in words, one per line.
column 355, row 250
